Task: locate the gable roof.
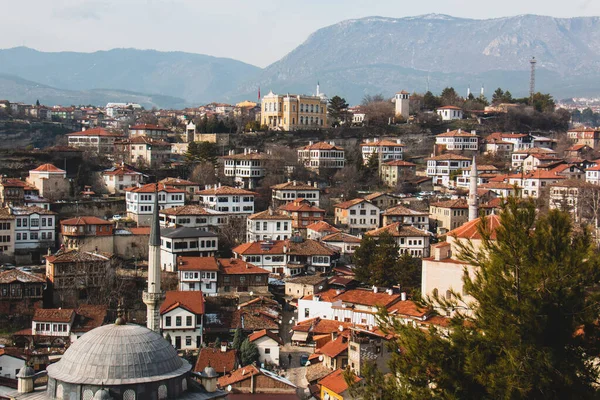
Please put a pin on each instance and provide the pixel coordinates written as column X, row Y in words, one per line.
column 340, row 237
column 469, row 230
column 178, row 182
column 336, row 382
column 226, row 190
column 190, row 209
column 349, row 203
column 335, row 347
column 53, row 314
column 294, row 185
column 190, row 263
column 78, row 256
column 88, row 317
column 397, row 229
column 48, row 168
column 16, row 275
column 457, row 132
column 399, row 163
column 270, row 214
column 86, row 220
column 449, row 157
column 221, row 361
column 368, row 297
column 458, row 203
column 235, row 266
column 321, row 146
column 151, row 188
column 262, row 333
column 185, row 232
column 193, row 301
column 322, row 226
column 381, row 143
column 95, row 132
column 401, row 210
column 300, row 205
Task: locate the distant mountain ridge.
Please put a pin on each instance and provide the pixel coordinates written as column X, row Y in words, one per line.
column 351, row 58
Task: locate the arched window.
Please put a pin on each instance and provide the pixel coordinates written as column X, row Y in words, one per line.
column 301, row 120
column 129, row 394
column 311, row 120
column 312, row 108
column 162, row 392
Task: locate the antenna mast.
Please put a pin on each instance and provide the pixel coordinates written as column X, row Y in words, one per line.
column 532, row 80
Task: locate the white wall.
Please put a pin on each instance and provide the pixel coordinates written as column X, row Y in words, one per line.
column 265, row 343
column 10, row 366
column 194, row 330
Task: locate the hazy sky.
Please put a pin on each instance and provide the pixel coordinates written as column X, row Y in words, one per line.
column 257, row 32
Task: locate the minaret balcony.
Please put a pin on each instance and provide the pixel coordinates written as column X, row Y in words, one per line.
column 148, row 297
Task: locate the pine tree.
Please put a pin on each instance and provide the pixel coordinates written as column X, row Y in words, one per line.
column 533, row 330
column 248, row 352
column 237, row 339
column 337, row 110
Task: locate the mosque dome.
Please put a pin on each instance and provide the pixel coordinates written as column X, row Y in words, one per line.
column 118, row 355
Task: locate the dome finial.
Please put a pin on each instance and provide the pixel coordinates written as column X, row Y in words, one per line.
column 120, row 319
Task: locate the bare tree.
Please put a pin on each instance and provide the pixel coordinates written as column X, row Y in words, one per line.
column 204, row 174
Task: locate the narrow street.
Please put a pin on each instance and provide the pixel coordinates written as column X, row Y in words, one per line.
column 296, row 373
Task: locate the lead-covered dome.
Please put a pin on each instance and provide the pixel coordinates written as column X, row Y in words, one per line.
column 117, row 355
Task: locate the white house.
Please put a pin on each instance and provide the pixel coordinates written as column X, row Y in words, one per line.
column 441, row 168
column 34, row 227
column 153, row 131
column 11, row 362
column 121, row 177
column 519, row 157
column 592, row 175
column 246, row 169
column 449, row 113
column 289, row 191
column 227, row 199
column 52, row 322
column 198, row 274
column 383, row 150
column 185, row 241
column 181, row 319
column 406, row 216
column 457, row 140
column 140, row 201
column 96, row 140
column 408, row 238
column 268, row 225
column 345, row 243
column 192, row 216
column 317, row 230
column 359, row 215
column 268, row 344
column 322, row 155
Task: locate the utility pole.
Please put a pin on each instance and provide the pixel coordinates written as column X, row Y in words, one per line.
column 532, row 80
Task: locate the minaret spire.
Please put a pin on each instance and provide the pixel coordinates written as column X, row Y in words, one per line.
column 473, row 200
column 153, row 296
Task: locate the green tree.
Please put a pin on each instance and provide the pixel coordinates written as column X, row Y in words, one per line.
column 532, row 332
column 337, row 110
column 248, row 352
column 199, row 152
column 237, row 339
column 449, row 97
column 430, row 101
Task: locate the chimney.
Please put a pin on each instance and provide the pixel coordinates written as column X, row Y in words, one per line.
column 448, row 130
column 309, row 183
column 403, row 296
column 375, row 290
column 245, row 150
column 459, row 130
column 295, row 183
column 310, row 143
column 223, row 347
column 315, row 183
column 474, row 132
column 332, row 143
column 398, row 141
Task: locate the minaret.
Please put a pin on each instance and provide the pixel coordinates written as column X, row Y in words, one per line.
column 318, row 89
column 153, row 297
column 473, row 200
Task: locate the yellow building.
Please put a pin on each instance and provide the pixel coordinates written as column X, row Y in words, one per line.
column 293, row 112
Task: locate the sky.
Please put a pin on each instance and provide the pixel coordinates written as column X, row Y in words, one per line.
column 256, row 32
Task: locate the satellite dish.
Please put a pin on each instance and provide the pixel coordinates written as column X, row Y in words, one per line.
column 229, row 388
column 321, row 357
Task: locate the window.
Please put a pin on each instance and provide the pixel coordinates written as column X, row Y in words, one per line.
column 167, row 321
column 306, row 313
column 188, row 321
column 267, row 351
column 188, row 340
column 177, row 321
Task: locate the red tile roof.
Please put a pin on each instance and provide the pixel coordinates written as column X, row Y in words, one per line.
column 95, row 132
column 147, row 127
column 407, row 308
column 151, row 188
column 270, row 215
column 178, row 182
column 300, row 205
column 401, row 210
column 470, row 229
column 238, row 375
column 53, row 315
column 368, row 297
column 142, row 230
column 294, row 185
column 399, row 163
column 197, row 263
column 336, row 382
column 221, row 361
column 193, row 301
column 381, row 143
column 146, row 140
column 190, row 209
column 321, row 146
column 449, row 108
column 335, row 347
column 15, row 275
column 235, row 266
column 449, row 156
column 456, row 133
column 322, row 226
column 397, row 229
column 349, row 203
column 85, row 221
column 459, row 203
column 121, row 170
column 78, row 256
column 89, row 317
column 47, row 168
column 225, row 190
column 340, row 237
column 262, row 333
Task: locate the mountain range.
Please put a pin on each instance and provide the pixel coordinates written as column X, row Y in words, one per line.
column 352, row 58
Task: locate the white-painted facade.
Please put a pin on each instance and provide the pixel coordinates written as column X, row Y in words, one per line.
column 204, row 281
column 34, row 227
column 10, row 365
column 268, row 350
column 184, row 328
